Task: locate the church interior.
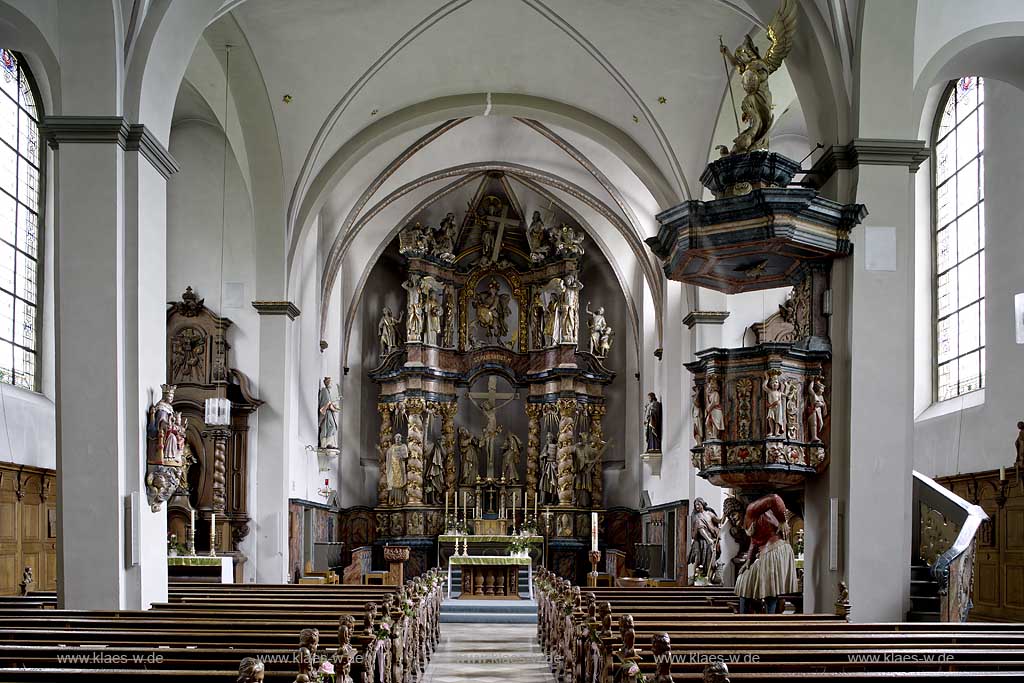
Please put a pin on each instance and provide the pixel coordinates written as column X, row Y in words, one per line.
column 660, row 339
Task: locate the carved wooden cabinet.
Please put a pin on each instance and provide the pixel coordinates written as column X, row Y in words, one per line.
column 28, row 527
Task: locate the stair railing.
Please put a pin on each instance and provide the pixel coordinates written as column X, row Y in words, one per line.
column 945, row 537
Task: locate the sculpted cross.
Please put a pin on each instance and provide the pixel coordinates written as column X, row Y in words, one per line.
column 488, row 405
column 501, row 222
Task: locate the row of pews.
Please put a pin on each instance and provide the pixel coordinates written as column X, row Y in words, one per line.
column 613, row 635
column 242, row 632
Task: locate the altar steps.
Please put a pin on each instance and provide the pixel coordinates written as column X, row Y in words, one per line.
column 456, row 611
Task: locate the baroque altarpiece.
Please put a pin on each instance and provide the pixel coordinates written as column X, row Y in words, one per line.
column 213, row 488
column 492, row 297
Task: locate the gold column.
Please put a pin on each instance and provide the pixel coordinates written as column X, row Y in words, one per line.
column 533, row 413
column 597, row 413
column 414, row 408
column 566, row 449
column 385, row 440
column 448, row 411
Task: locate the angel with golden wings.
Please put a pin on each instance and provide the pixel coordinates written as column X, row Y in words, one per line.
column 756, row 106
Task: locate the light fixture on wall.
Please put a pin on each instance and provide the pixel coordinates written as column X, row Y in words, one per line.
column 218, row 410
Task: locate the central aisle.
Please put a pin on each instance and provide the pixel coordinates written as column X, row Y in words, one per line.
column 483, row 653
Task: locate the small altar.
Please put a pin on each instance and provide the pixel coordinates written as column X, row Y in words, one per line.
column 201, row 568
column 491, row 577
column 483, row 545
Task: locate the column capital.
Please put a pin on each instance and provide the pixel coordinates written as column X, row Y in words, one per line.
column 277, row 308
column 131, row 137
column 705, row 318
column 869, row 152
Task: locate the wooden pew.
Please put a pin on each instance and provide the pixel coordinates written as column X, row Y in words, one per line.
column 204, row 640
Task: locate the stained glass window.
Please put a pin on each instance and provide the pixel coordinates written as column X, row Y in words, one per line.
column 960, row 240
column 20, row 183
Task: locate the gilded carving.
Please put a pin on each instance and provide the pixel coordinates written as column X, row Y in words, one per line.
column 744, row 395
column 566, row 450
column 533, row 413
column 414, row 408
column 937, row 534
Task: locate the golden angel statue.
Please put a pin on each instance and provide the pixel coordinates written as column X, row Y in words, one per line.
column 756, row 106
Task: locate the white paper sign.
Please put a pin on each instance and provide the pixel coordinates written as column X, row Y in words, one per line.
column 880, row 249
column 1018, row 316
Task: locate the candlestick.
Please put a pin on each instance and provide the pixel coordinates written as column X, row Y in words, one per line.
column 213, row 534
column 191, row 532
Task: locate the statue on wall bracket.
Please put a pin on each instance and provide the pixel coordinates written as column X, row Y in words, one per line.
column 165, row 446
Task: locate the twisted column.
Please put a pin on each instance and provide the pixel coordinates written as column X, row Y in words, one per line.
column 448, row 411
column 414, row 408
column 220, row 437
column 533, row 413
column 566, row 449
column 384, row 443
column 597, row 413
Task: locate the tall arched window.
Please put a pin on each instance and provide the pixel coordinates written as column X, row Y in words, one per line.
column 20, row 185
column 960, row 240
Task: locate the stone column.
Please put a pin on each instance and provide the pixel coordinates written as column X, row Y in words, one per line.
column 448, row 411
column 414, row 408
column 384, row 442
column 273, row 471
column 109, row 262
column 533, row 414
column 566, row 450
column 597, row 413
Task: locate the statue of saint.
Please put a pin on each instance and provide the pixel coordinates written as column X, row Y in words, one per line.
column 492, row 312
column 394, row 470
column 704, row 531
column 448, row 326
column 535, row 238
column 434, row 313
column 552, row 330
column 770, row 568
column 433, row 482
column 571, row 309
column 537, row 321
column 327, row 416
column 387, row 330
column 469, row 446
column 568, row 241
column 754, row 71
column 27, row 581
column 695, row 414
column 714, row 419
column 652, row 423
column 589, row 451
column 1018, row 444
column 598, row 329
column 776, row 410
column 510, row 458
column 165, row 430
column 443, row 239
column 414, row 306
column 549, row 470
column 817, row 409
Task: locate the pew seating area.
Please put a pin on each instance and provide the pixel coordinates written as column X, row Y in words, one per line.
column 209, row 632
column 639, row 635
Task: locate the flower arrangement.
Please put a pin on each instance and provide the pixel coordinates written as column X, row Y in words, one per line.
column 174, row 548
column 518, row 547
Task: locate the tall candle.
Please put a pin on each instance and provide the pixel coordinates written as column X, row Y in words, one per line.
column 535, row 496
column 593, row 531
column 213, row 533
column 192, row 522
column 1002, row 474
column 446, row 507
column 465, row 506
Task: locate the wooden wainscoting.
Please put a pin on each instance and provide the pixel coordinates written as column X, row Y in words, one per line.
column 999, row 564
column 28, row 526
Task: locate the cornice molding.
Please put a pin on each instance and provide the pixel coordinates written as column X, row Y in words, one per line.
column 868, row 152
column 705, row 318
column 131, row 137
column 277, row 308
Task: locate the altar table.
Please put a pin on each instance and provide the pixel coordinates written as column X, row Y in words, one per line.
column 220, row 569
column 488, row 576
